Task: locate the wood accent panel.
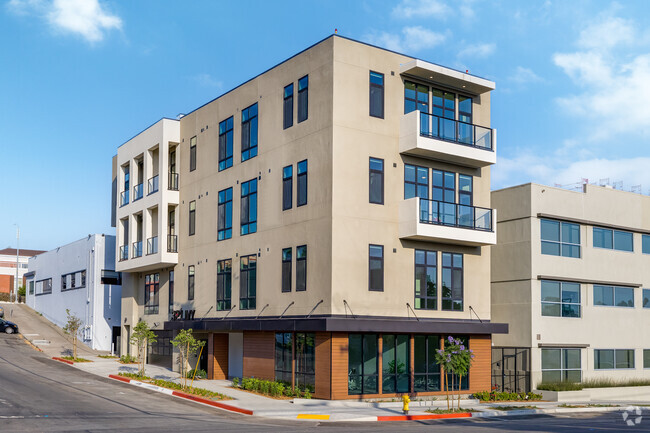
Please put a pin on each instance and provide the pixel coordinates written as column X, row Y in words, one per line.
column 219, row 357
column 480, row 378
column 323, row 365
column 259, row 352
column 339, row 389
column 210, row 350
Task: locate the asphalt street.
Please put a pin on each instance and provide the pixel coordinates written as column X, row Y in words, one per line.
column 38, row 394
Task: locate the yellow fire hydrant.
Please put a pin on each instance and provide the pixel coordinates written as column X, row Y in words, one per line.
column 405, row 404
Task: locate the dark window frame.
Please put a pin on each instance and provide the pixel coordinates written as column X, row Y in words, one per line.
column 226, row 143
column 249, row 301
column 305, row 360
column 190, row 282
column 379, row 176
column 224, row 285
column 287, row 107
column 395, row 375
column 378, row 93
column 380, row 260
column 452, row 268
column 249, row 143
column 462, row 193
column 283, row 358
column 424, row 292
column 193, row 153
column 613, row 239
column 287, row 187
column 615, row 362
column 565, row 248
column 301, row 262
column 248, row 220
column 192, row 218
column 287, row 256
column 417, row 184
column 224, row 224
column 429, row 374
column 301, row 179
column 362, row 375
column 416, row 103
column 565, row 309
column 303, row 98
column 170, row 299
column 444, row 190
column 151, row 293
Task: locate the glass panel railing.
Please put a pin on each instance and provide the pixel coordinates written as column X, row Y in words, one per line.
column 456, row 131
column 172, row 243
column 152, row 245
column 173, row 182
column 124, row 253
column 483, row 219
column 153, row 185
column 137, row 192
column 137, row 249
column 455, row 215
column 124, row 198
column 483, row 137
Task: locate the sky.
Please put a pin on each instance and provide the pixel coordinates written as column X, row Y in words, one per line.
column 80, row 77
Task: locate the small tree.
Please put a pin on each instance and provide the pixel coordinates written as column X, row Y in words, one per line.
column 72, row 328
column 187, row 345
column 455, row 358
column 141, row 337
column 443, row 358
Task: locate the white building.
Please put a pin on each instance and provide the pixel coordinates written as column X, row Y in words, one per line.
column 8, row 267
column 81, row 277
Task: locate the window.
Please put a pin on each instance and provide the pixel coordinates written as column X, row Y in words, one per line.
column 646, row 298
column 193, row 153
column 283, row 357
column 362, row 364
column 287, row 187
column 287, row 107
column 43, row 287
column 395, row 363
column 286, row 270
column 416, row 181
column 426, row 280
column 444, row 104
column 427, row 371
column 560, row 238
column 224, row 215
column 646, row 358
column 610, row 359
column 416, row 97
column 452, row 282
column 192, row 217
column 376, row 181
column 614, row 296
column 225, row 143
column 151, row 286
column 561, row 365
column 111, row 277
column 224, row 284
column 465, row 190
column 190, row 283
column 303, row 98
column 376, row 94
column 301, row 268
column 645, row 244
column 443, row 186
column 306, row 361
column 376, row 268
column 247, row 282
column 302, row 184
column 249, row 207
column 613, row 239
column 31, row 287
column 83, row 278
column 171, row 292
column 64, row 282
column 465, row 129
column 249, row 132
column 73, row 280
column 560, row 299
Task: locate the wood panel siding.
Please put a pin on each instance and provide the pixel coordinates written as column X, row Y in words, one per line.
column 219, row 357
column 259, row 352
column 210, row 350
column 339, row 366
column 480, row 373
column 323, row 365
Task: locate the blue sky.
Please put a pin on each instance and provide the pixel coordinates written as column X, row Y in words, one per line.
column 80, row 77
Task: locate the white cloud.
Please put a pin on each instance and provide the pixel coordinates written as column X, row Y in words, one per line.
column 411, row 40
column 606, row 33
column 421, row 9
column 478, row 50
column 85, row 18
column 523, row 75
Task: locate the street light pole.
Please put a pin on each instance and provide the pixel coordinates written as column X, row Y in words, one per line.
column 15, row 297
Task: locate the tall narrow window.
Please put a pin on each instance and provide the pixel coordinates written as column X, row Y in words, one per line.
column 416, row 97
column 443, row 186
column 465, row 129
column 452, row 282
column 247, row 282
column 302, row 183
column 376, row 268
column 301, row 268
column 151, row 286
column 192, row 217
column 224, row 215
column 363, row 356
column 193, row 153
column 395, row 363
column 190, row 283
column 225, row 143
column 426, row 280
column 224, row 284
column 249, row 207
column 171, row 292
column 287, row 187
column 249, row 132
column 305, row 361
column 376, row 94
column 427, row 370
column 416, row 181
column 444, row 106
column 287, row 107
column 465, row 190
column 303, row 98
column 283, row 357
column 376, row 182
column 286, row 270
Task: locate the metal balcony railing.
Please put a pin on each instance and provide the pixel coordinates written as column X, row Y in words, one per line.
column 137, row 249
column 153, row 185
column 137, row 192
column 173, row 182
column 152, row 245
column 172, row 243
column 124, row 198
column 455, row 215
column 456, row 131
column 124, row 253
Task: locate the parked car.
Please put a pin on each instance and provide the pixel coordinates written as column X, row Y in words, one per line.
column 8, row 327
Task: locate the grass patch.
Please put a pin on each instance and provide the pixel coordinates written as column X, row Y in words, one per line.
column 573, row 406
column 591, row 383
column 107, row 356
column 560, row 386
column 135, row 376
column 70, row 358
column 446, row 411
column 506, row 408
column 485, row 396
column 194, row 391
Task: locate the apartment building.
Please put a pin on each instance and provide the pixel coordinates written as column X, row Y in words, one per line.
column 334, row 224
column 570, row 276
column 8, row 263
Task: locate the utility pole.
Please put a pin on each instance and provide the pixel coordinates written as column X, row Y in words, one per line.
column 15, row 297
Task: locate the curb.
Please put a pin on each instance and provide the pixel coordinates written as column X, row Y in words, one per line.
column 65, row 361
column 29, row 343
column 423, row 417
column 181, row 394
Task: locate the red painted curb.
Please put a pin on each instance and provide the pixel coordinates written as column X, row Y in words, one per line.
column 63, row 360
column 421, row 417
column 212, row 403
column 120, row 378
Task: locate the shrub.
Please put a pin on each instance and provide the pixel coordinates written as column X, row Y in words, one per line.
column 560, row 386
column 505, row 396
column 128, row 359
column 200, row 374
column 235, row 382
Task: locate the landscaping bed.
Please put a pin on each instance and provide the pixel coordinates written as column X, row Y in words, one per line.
column 199, row 392
column 269, row 388
column 70, row 358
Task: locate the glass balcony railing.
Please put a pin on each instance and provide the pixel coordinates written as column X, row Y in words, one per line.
column 173, row 182
column 455, row 215
column 124, row 253
column 137, row 249
column 172, row 243
column 455, row 131
column 124, row 198
column 137, row 192
column 152, row 245
column 153, row 185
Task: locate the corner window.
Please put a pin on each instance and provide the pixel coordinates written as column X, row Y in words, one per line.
column 614, row 296
column 287, row 187
column 286, row 269
column 376, row 268
column 190, row 283
column 303, row 98
column 151, row 286
column 247, row 282
column 376, row 94
column 287, row 107
column 225, row 143
column 560, row 238
column 416, row 97
column 452, row 282
column 376, row 181
column 249, row 207
column 560, row 299
column 301, row 200
column 612, row 359
column 301, row 268
column 416, row 181
column 427, row 371
column 613, row 239
column 224, row 284
column 561, row 365
column 426, row 280
column 249, row 132
column 192, row 218
column 363, row 357
column 193, row 153
column 224, row 215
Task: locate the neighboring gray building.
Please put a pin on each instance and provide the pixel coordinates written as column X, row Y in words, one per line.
column 81, row 277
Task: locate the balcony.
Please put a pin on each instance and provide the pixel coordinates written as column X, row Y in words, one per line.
column 429, row 136
column 153, row 185
column 451, row 223
column 152, row 245
column 137, row 192
column 172, row 243
column 137, row 249
column 124, row 253
column 173, row 182
column 124, row 198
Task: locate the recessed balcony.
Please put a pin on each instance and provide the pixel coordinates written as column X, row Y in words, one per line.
column 124, row 198
column 137, row 249
column 152, row 185
column 450, row 223
column 137, row 192
column 434, row 137
column 173, row 181
column 152, row 245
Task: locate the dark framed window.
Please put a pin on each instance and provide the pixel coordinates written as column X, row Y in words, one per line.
column 171, row 292
column 443, row 186
column 225, row 143
column 645, row 244
column 426, row 280
column 443, row 103
column 646, row 298
column 614, row 296
column 301, row 192
column 416, row 97
column 452, row 282
column 560, row 238
column 192, row 218
column 303, row 98
column 376, row 268
column 561, row 365
column 193, row 153
column 416, row 181
column 83, row 278
column 287, row 187
column 613, row 239
column 287, row 107
column 646, row 358
column 44, row 287
column 111, row 277
column 64, row 282
column 612, row 359
column 465, row 109
column 247, row 282
column 376, row 181
column 151, row 286
column 376, row 94
column 301, row 268
column 286, row 269
column 465, row 187
column 31, row 287
column 249, row 207
column 395, row 363
column 283, row 357
column 363, row 358
column 426, row 369
column 560, row 299
column 190, row 283
column 249, row 132
column 306, row 361
column 224, row 284
column 224, row 215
